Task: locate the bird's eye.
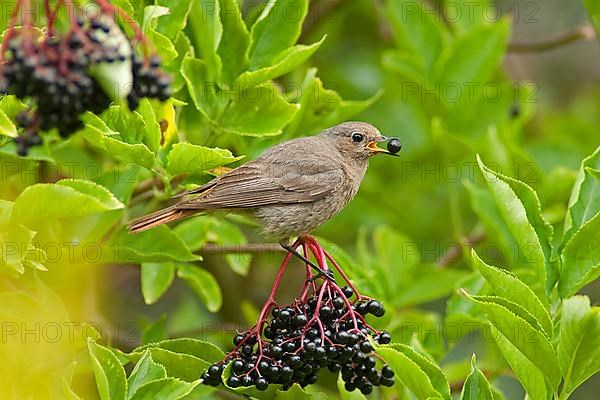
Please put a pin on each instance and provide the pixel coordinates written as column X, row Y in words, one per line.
column 357, row 137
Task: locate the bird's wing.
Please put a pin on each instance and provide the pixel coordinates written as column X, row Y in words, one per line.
column 270, row 181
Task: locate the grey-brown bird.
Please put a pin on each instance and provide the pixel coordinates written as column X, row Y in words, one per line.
column 290, row 189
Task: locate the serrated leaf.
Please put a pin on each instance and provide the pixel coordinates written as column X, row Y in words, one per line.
column 298, row 393
column 579, row 342
column 190, row 158
column 518, row 326
column 109, row 373
column 171, row 24
column 16, row 247
column 153, row 136
column 201, row 90
column 7, row 127
column 322, row 108
column 66, row 198
column 156, row 278
column 476, row 385
column 145, row 371
column 581, row 258
column 584, row 202
column 206, row 32
column 165, row 389
column 417, row 372
column 234, row 43
column 521, row 210
column 276, row 29
column 527, row 372
column 105, row 139
column 288, row 61
column 506, row 285
column 204, row 284
column 472, row 57
column 225, row 233
column 264, row 100
column 158, row 245
column 184, row 358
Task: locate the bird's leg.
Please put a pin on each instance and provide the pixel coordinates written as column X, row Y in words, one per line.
column 320, row 271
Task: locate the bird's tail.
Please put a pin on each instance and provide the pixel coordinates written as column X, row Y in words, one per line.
column 159, row 217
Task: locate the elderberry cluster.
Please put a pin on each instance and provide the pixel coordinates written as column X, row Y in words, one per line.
column 65, row 75
column 326, row 331
column 148, row 81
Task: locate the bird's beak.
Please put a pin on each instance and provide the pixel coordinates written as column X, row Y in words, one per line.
column 376, row 149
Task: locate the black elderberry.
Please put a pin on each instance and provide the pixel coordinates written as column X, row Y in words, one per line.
column 387, row 372
column 233, row 381
column 376, row 308
column 366, row 347
column 348, row 292
column 385, row 338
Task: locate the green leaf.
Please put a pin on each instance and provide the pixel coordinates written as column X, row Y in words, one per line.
column 579, row 342
column 288, row 61
column 204, row 284
column 226, row 233
column 472, row 58
column 172, row 23
column 521, row 210
column 264, row 100
column 404, row 63
column 165, row 389
column 321, row 108
column 157, row 245
column 184, row 358
column 109, row 373
column 476, row 386
column 190, row 158
column 416, row 31
column 297, row 393
column 276, row 29
column 146, row 370
column 235, row 111
column 484, row 206
column 526, row 371
column 585, row 196
column 7, row 128
column 234, row 41
column 506, row 285
column 156, row 278
column 98, row 134
column 152, row 135
column 16, row 245
column 66, row 198
column 581, row 258
column 201, row 90
column 521, row 329
column 420, row 375
column 206, row 32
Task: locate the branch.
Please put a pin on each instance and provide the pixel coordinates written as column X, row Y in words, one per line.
column 583, row 32
column 250, row 248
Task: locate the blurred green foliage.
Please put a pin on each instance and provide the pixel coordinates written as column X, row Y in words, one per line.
column 470, row 254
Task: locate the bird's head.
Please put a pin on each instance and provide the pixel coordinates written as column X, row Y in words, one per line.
column 360, row 140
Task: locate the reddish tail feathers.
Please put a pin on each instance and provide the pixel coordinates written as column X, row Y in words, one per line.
column 159, row 217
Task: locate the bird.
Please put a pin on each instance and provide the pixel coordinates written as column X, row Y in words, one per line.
column 292, row 188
